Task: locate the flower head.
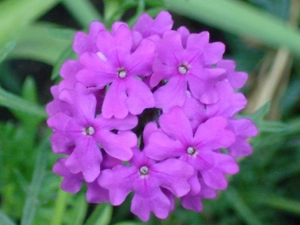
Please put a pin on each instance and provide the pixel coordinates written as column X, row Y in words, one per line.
column 148, row 111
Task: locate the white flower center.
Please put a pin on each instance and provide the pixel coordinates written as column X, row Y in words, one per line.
column 190, row 151
column 89, row 131
column 182, row 69
column 122, row 73
column 144, row 170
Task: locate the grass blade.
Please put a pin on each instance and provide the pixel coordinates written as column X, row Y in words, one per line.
column 12, row 24
column 17, row 103
column 34, row 188
column 240, row 206
column 5, row 220
column 83, row 11
column 7, row 48
column 101, row 215
column 242, row 19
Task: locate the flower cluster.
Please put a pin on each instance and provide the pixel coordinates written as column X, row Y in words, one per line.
column 149, row 111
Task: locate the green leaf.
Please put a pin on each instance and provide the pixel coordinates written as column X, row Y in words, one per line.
column 31, row 203
column 37, row 43
column 12, row 101
column 240, row 18
column 101, row 215
column 60, row 207
column 6, row 49
column 80, row 210
column 127, row 223
column 272, row 126
column 266, row 126
column 278, row 8
column 64, row 33
column 15, row 15
column 83, row 11
column 277, row 202
column 29, row 93
column 5, row 220
column 241, row 207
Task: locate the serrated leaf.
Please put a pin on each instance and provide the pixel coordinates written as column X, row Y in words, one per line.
column 6, row 49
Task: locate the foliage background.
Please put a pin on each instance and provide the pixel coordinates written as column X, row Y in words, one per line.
column 261, row 35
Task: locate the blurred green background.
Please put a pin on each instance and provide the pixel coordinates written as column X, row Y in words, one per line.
column 262, row 36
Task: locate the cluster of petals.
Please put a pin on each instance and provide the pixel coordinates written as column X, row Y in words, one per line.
column 148, row 111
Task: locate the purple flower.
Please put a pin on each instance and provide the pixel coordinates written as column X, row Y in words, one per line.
column 148, row 180
column 236, row 79
column 192, row 201
column 71, row 182
column 196, row 148
column 173, row 91
column 243, row 129
column 87, row 42
column 185, row 68
column 148, row 26
column 115, row 64
column 87, row 132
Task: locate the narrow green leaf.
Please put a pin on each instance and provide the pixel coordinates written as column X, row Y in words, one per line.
column 5, row 220
column 80, row 210
column 277, row 202
column 15, row 15
column 264, row 125
column 140, row 9
column 240, row 206
column 6, row 49
column 127, row 223
column 261, row 112
column 101, row 215
column 240, row 18
column 273, row 126
column 83, row 11
column 31, row 203
column 29, row 93
column 37, row 43
column 64, row 33
column 60, row 207
column 17, row 103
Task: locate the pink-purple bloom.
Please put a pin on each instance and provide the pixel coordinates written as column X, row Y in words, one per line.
column 148, row 111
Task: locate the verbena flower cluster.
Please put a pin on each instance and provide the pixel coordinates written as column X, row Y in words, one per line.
column 148, row 111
